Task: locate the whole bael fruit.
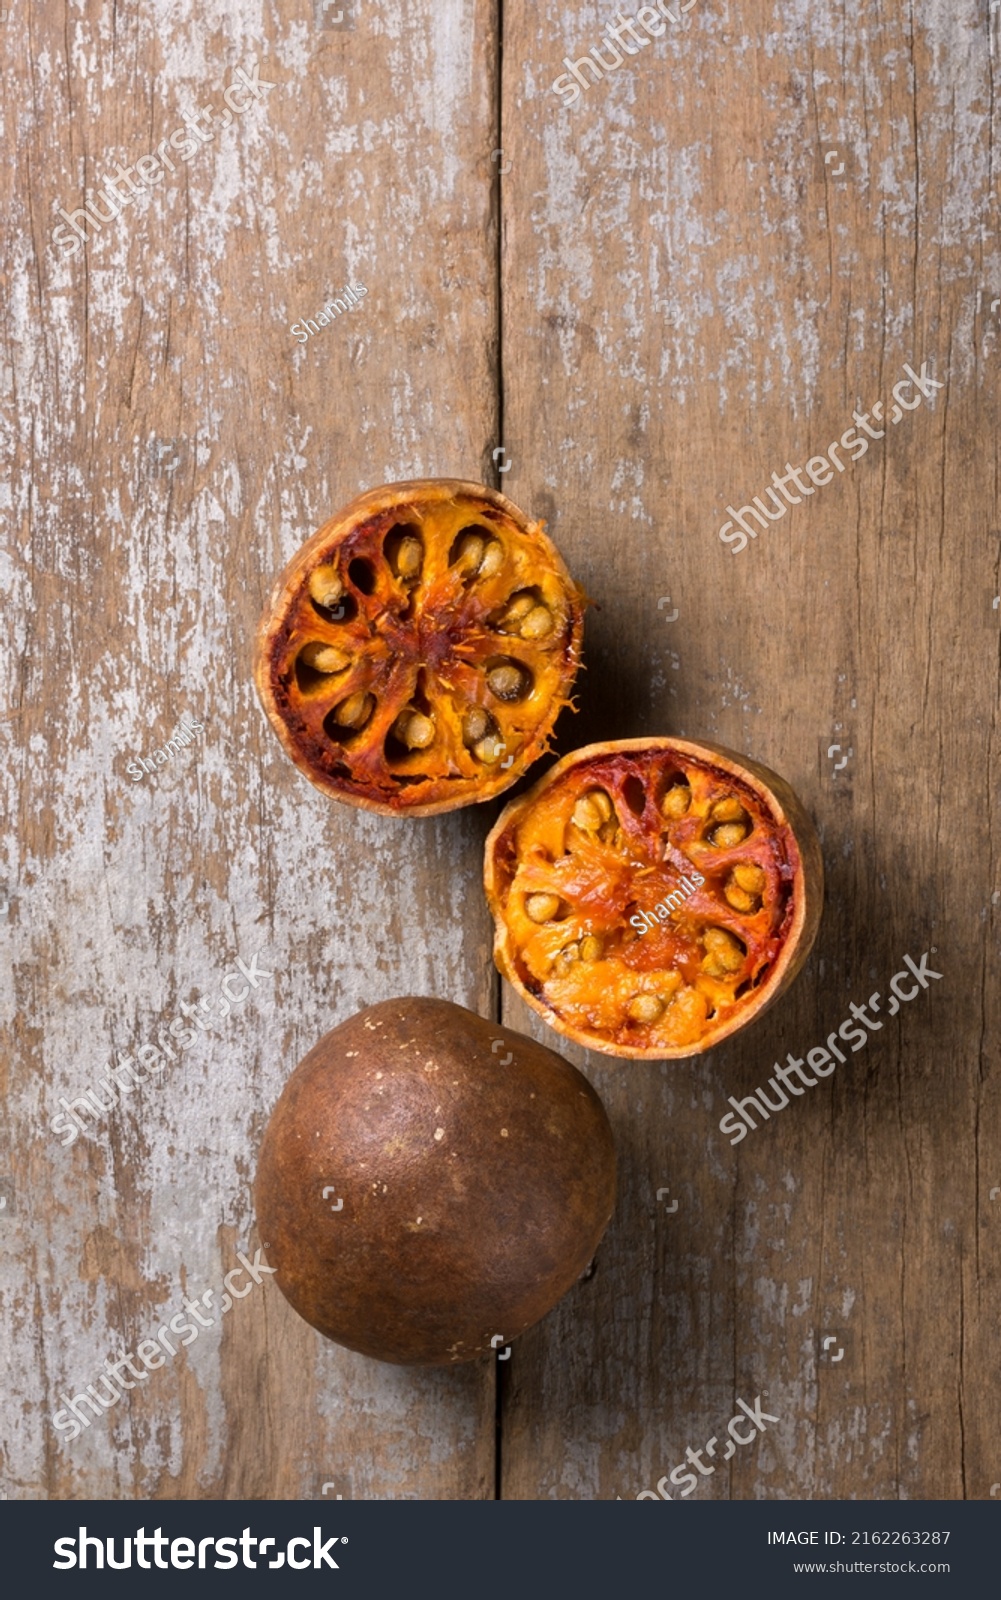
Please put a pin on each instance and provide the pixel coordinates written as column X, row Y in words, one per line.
column 417, row 650
column 652, row 896
column 429, row 1181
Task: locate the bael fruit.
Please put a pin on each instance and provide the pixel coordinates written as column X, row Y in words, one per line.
column 429, row 1181
column 653, row 896
column 417, row 650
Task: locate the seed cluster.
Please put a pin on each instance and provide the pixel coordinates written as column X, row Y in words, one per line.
column 475, row 556
column 615, row 836
column 425, row 652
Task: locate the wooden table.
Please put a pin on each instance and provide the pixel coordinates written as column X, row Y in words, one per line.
column 652, row 300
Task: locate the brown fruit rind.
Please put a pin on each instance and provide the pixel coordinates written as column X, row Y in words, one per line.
column 565, row 871
column 417, row 650
column 475, row 1170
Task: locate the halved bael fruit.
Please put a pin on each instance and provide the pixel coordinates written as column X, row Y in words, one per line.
column 417, row 650
column 653, row 896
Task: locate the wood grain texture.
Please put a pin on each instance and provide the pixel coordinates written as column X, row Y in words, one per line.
column 692, row 301
column 688, row 299
column 134, row 577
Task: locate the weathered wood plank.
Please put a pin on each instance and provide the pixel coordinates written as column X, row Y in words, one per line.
column 693, row 299
column 170, row 444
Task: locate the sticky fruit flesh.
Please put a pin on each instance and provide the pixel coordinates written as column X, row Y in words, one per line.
column 417, row 650
column 691, row 877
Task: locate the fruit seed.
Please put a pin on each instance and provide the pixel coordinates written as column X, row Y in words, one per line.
column 739, row 898
column 408, row 558
column 324, row 657
column 470, row 551
column 592, row 810
column 728, row 810
column 537, row 624
column 356, row 710
column 645, row 1008
column 517, row 609
column 474, row 725
column 493, row 559
column 750, row 877
column 489, row 749
column 723, row 953
column 676, row 801
column 542, row 907
column 326, row 586
column 414, row 729
column 730, row 834
column 506, row 682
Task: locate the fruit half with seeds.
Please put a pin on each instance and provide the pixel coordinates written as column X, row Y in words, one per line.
column 430, row 1183
column 653, row 896
column 417, row 650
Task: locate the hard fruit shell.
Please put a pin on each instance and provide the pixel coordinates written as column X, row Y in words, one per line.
column 807, row 887
column 310, row 755
column 476, row 1172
